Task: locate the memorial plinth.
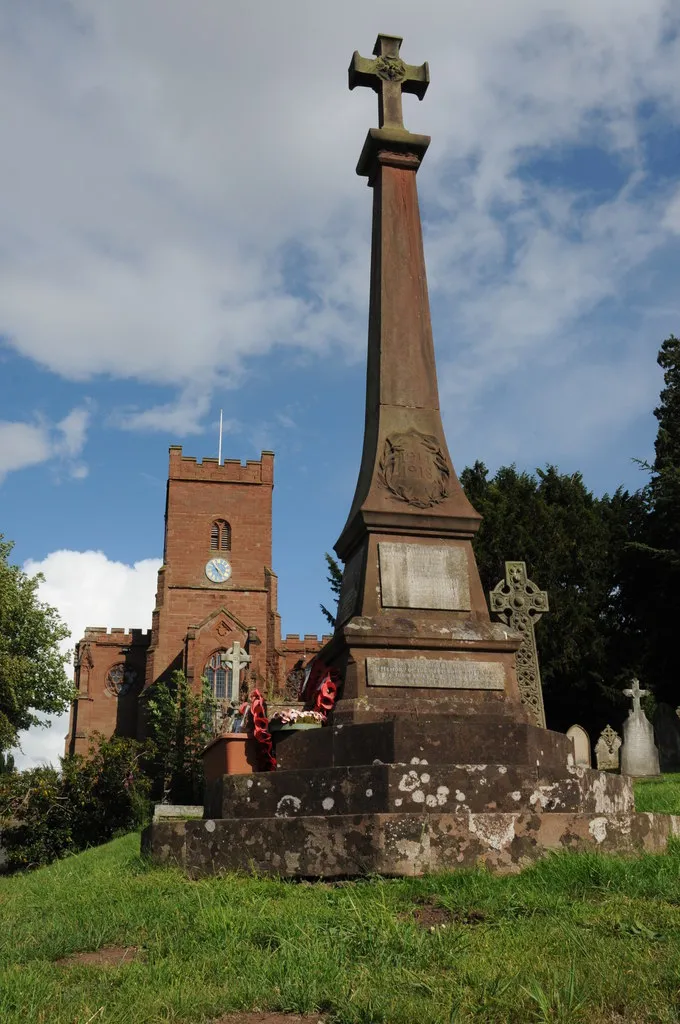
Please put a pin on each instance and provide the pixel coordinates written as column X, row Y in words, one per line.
column 431, row 761
column 401, row 797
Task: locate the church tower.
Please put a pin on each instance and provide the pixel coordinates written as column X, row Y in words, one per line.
column 216, row 585
column 216, row 611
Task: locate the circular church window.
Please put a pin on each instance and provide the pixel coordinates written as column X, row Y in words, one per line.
column 119, row 679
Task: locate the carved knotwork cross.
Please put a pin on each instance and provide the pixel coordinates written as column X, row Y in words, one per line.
column 519, row 603
column 610, row 739
column 389, row 76
column 636, row 693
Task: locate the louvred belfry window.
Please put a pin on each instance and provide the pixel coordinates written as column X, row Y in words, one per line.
column 220, row 536
column 218, row 676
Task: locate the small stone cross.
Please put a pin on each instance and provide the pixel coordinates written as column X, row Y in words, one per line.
column 519, row 603
column 389, row 76
column 636, row 693
column 236, row 659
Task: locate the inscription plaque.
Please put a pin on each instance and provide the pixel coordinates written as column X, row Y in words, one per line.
column 424, row 576
column 435, row 673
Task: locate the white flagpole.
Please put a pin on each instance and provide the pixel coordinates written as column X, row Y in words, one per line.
column 219, row 450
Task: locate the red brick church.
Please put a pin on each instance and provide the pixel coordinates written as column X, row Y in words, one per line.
column 216, row 588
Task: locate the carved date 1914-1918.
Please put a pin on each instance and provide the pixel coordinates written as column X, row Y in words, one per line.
column 413, row 467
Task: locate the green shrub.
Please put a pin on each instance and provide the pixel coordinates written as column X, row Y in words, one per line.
column 47, row 813
column 179, row 725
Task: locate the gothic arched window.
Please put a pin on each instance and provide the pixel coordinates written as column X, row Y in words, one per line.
column 219, row 676
column 220, row 536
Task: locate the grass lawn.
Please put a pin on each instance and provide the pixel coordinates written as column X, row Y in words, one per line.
column 661, row 795
column 576, row 938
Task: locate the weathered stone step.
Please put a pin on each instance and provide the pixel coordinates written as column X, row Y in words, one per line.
column 396, row 844
column 439, row 739
column 417, row 786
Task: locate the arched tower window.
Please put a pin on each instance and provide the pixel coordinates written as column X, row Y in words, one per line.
column 220, row 536
column 219, row 676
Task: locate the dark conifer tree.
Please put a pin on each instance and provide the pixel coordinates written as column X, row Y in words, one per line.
column 652, row 591
column 573, row 544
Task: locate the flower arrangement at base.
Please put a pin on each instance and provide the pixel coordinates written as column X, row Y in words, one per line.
column 296, row 718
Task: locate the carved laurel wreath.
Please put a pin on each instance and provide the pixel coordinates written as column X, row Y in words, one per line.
column 398, row 443
column 391, row 69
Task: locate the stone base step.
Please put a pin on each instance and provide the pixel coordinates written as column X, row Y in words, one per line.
column 441, row 739
column 416, row 787
column 397, row 844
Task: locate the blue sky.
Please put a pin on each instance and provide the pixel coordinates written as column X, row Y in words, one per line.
column 183, row 231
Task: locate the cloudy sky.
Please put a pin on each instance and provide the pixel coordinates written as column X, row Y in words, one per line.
column 182, row 230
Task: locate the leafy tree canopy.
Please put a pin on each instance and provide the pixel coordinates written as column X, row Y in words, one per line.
column 32, row 675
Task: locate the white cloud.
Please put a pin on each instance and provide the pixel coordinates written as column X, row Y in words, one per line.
column 29, row 444
column 72, row 432
column 87, row 589
column 21, row 445
column 567, row 261
column 180, row 418
column 672, row 216
column 164, row 206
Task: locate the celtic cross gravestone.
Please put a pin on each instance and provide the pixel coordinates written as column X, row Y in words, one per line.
column 519, row 603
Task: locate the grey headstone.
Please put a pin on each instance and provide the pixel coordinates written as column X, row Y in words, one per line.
column 424, row 576
column 435, row 672
column 639, row 755
column 579, row 737
column 667, row 737
column 607, row 750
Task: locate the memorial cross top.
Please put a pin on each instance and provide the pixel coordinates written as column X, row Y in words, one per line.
column 636, row 693
column 389, row 76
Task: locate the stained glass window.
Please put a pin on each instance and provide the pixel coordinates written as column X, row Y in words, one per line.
column 218, row 676
column 119, row 679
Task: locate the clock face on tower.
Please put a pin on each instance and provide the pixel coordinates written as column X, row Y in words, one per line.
column 218, row 570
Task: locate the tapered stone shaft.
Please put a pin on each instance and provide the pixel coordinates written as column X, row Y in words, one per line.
column 413, row 626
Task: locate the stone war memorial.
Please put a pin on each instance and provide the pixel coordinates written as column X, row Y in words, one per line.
column 429, row 759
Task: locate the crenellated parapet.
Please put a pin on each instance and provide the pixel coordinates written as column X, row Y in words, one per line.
column 253, row 471
column 293, row 639
column 117, row 635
